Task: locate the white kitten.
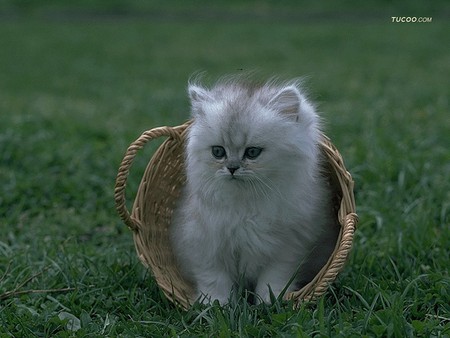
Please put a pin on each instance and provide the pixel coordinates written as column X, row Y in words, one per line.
column 255, row 208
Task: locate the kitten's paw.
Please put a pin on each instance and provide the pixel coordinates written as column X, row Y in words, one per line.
column 266, row 294
column 214, row 286
column 263, row 297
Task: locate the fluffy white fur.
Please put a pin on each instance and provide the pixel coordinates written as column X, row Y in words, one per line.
column 260, row 220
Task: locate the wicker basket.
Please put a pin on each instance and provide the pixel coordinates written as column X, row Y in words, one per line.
column 160, row 187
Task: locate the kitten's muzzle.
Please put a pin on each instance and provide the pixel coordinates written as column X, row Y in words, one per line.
column 232, row 169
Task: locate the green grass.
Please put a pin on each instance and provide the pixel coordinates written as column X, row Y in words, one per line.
column 74, row 93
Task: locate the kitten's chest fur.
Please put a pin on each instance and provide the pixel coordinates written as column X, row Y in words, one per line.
column 244, row 235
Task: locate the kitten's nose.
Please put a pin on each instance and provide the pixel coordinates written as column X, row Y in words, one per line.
column 232, row 169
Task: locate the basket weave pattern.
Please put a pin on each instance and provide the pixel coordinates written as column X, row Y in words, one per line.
column 160, row 187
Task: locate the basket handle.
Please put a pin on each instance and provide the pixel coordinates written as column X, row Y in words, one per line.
column 127, row 161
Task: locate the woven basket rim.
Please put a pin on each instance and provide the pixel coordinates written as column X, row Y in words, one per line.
column 346, row 215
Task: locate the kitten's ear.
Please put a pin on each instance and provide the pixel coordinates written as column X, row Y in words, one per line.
column 198, row 96
column 287, row 102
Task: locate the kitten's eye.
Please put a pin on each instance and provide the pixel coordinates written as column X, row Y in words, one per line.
column 218, row 152
column 252, row 152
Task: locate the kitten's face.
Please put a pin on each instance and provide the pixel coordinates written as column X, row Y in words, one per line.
column 245, row 144
column 239, row 151
column 235, row 161
column 234, row 153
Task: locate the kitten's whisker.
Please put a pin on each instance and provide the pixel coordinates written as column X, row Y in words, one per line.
column 270, row 188
column 275, row 189
column 259, row 192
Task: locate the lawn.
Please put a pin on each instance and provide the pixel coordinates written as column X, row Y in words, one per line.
column 78, row 85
